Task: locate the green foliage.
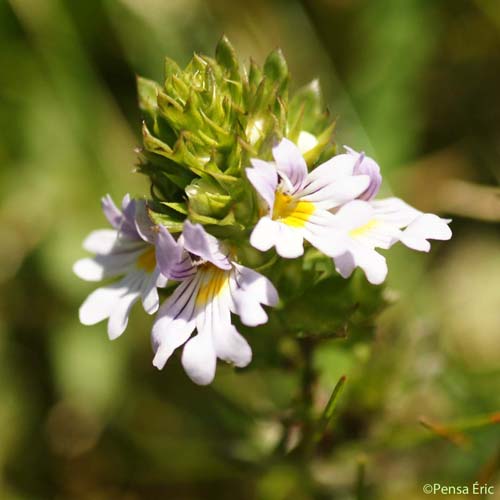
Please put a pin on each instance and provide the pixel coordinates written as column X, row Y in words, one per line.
column 210, row 118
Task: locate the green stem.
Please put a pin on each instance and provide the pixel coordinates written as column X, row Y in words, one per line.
column 327, row 415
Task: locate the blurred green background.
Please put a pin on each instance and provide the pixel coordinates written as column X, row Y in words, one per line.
column 414, row 83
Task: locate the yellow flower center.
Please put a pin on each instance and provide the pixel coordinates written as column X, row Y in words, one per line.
column 362, row 230
column 213, row 282
column 291, row 212
column 147, row 260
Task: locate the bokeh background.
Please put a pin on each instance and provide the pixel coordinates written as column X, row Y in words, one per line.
column 414, row 83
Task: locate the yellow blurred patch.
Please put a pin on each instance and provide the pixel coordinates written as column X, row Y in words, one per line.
column 147, row 260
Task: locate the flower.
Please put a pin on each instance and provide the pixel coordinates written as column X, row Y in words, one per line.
column 362, row 226
column 212, row 287
column 129, row 250
column 366, row 166
column 298, row 202
column 306, row 141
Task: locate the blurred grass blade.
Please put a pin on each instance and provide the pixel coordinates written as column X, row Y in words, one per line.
column 453, row 436
column 329, row 409
column 360, row 478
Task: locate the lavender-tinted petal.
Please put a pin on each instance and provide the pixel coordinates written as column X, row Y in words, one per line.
column 367, row 166
column 143, row 224
column 168, row 251
column 264, row 179
column 291, row 163
column 111, row 211
column 204, row 245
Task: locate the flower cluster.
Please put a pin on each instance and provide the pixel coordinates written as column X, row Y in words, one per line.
column 228, row 158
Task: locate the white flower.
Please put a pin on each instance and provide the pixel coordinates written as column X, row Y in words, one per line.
column 366, row 166
column 298, row 202
column 306, row 141
column 362, row 226
column 213, row 286
column 128, row 249
column 255, row 131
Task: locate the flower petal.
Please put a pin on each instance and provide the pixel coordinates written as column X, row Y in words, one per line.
column 322, row 234
column 367, row 166
column 118, row 319
column 354, row 214
column 264, row 233
column 206, row 246
column 143, row 225
column 395, row 211
column 289, row 242
column 175, row 321
column 105, row 266
column 373, row 264
column 149, row 293
column 264, row 179
column 111, row 211
column 336, row 168
column 100, row 303
column 345, row 265
column 168, row 251
column 329, row 194
column 290, row 163
column 258, row 285
column 101, row 241
column 199, row 359
column 425, row 227
column 229, row 345
column 122, row 221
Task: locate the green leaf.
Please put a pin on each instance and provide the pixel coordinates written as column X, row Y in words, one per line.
column 174, row 226
column 147, row 91
column 225, row 55
column 153, row 144
column 178, row 207
column 324, row 139
column 171, row 68
column 254, row 75
column 207, row 199
column 306, row 105
column 276, row 69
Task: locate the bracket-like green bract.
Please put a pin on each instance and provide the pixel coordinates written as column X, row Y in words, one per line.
column 205, row 123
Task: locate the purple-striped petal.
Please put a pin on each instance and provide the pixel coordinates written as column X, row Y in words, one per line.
column 168, row 251
column 365, row 165
column 198, row 242
column 290, row 163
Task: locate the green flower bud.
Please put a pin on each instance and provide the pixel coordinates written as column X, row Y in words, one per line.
column 205, row 123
